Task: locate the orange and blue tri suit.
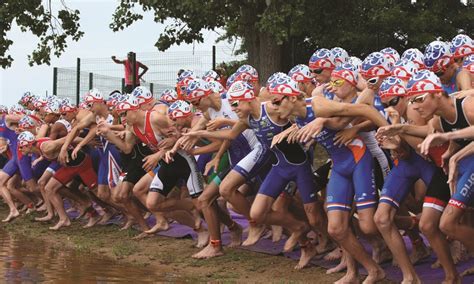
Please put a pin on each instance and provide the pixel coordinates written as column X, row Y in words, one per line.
column 352, row 176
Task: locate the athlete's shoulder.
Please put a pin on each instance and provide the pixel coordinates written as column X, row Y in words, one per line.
column 468, row 108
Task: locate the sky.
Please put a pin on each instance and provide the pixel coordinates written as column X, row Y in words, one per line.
column 98, row 41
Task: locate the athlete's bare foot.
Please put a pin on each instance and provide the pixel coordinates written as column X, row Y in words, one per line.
column 307, row 253
column 11, row 216
column 457, row 251
column 411, row 281
column 62, row 223
column 209, row 251
column 436, row 265
column 374, row 277
column 42, row 207
column 203, row 237
column 467, row 272
column 127, row 224
column 333, row 255
column 340, row 267
column 419, row 252
column 197, row 218
column 29, row 211
column 348, row 278
column 235, row 236
column 106, row 217
column 325, row 246
column 159, row 226
column 93, row 220
column 293, row 239
column 142, row 235
column 381, row 253
column 147, row 215
column 255, row 233
column 277, row 233
column 44, row 218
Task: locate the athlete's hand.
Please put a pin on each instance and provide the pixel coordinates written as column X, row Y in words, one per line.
column 150, row 162
column 63, row 157
column 389, row 130
column 169, row 156
column 393, row 115
column 3, row 149
column 432, row 140
column 36, row 161
column 212, row 164
column 278, row 138
column 390, row 142
column 167, row 143
column 75, row 151
column 345, row 136
column 102, row 129
column 329, row 88
column 215, row 124
column 309, row 131
column 190, row 140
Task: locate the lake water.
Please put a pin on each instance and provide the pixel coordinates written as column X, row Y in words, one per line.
column 26, row 260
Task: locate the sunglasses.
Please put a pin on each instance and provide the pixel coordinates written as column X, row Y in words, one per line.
column 440, row 73
column 317, row 71
column 373, row 80
column 337, row 83
column 234, row 104
column 392, row 102
column 418, row 99
column 123, row 114
column 278, row 102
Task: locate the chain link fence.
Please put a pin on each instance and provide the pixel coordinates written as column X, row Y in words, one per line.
column 106, row 75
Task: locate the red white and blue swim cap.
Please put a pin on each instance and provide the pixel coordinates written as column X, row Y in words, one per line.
column 424, row 81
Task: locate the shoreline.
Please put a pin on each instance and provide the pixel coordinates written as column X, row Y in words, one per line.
column 168, row 255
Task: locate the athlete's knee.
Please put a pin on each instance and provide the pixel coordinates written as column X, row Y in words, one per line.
column 51, row 188
column 448, row 225
column 337, row 231
column 225, row 190
column 368, row 227
column 204, row 201
column 382, row 220
column 153, row 206
column 428, row 227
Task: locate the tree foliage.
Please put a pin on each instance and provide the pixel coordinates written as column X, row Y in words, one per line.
column 292, row 30
column 52, row 29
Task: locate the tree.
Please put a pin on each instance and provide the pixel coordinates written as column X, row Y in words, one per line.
column 278, row 34
column 52, row 29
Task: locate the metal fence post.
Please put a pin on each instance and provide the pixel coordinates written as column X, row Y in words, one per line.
column 134, row 69
column 55, row 81
column 151, row 88
column 78, row 80
column 91, row 80
column 123, row 85
column 213, row 57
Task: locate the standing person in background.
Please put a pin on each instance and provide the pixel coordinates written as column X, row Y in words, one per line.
column 128, row 64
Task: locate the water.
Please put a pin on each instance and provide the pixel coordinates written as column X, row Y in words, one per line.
column 31, row 261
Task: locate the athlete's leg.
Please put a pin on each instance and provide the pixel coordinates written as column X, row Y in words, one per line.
column 384, row 220
column 4, row 177
column 52, row 189
column 429, row 226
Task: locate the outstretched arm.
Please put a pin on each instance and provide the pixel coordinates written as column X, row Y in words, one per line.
column 114, row 59
column 327, row 108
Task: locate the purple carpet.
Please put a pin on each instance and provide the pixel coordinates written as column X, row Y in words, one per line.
column 425, row 272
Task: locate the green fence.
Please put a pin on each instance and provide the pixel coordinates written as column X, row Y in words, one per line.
column 105, row 75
